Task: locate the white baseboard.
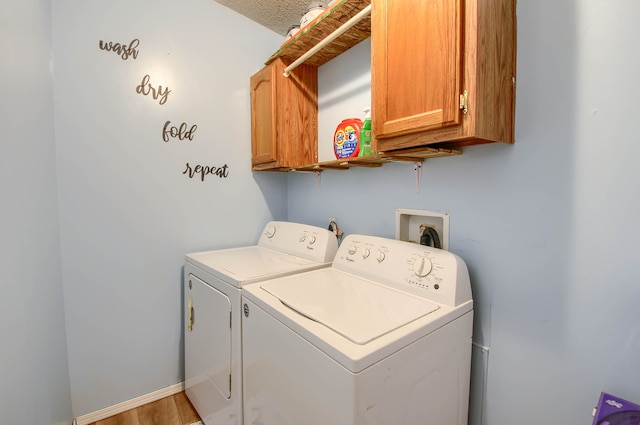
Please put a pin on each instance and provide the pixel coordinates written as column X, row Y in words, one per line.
column 129, row 404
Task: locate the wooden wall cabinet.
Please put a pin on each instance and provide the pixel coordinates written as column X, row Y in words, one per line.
column 442, row 75
column 284, row 117
column 442, row 71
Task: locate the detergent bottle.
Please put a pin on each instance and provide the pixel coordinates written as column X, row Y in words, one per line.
column 345, row 139
column 365, row 134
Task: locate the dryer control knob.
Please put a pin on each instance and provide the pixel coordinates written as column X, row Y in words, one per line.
column 270, row 231
column 381, row 256
column 366, row 253
column 353, row 249
column 422, row 266
column 303, row 238
column 312, row 240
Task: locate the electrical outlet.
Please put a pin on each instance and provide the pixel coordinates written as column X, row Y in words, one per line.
column 411, row 223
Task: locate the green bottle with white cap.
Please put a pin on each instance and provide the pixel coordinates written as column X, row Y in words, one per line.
column 365, row 134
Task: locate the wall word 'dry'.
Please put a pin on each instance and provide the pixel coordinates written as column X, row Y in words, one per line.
column 182, row 132
column 145, row 88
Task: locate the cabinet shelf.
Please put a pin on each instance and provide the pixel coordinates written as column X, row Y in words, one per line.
column 321, row 27
column 372, row 161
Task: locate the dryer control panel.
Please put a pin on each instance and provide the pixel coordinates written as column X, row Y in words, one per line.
column 301, row 240
column 428, row 272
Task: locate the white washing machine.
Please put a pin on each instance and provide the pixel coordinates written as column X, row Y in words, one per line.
column 213, row 282
column 382, row 337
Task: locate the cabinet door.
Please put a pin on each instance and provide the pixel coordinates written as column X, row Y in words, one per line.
column 263, row 126
column 284, row 117
column 416, row 65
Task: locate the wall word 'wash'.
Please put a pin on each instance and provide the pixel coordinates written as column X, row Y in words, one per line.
column 145, row 88
column 180, row 132
column 120, row 49
column 205, row 170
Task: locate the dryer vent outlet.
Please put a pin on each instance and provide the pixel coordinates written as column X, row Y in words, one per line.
column 411, row 224
column 333, row 226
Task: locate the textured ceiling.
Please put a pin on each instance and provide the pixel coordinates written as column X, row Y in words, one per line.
column 277, row 15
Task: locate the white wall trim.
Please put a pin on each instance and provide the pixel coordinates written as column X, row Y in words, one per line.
column 129, row 404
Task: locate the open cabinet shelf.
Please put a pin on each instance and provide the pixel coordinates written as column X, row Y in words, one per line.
column 320, row 28
column 377, row 160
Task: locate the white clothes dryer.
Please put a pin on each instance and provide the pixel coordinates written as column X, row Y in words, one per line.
column 213, row 282
column 382, row 337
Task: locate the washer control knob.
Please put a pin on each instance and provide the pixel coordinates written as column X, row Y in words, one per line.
column 353, row 249
column 366, row 253
column 270, row 231
column 312, row 239
column 422, row 266
column 381, row 256
column 303, row 237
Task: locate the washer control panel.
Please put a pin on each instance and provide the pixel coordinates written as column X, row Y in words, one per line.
column 421, row 270
column 311, row 242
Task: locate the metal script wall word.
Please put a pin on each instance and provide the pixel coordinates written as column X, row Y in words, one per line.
column 180, row 132
column 205, row 170
column 123, row 51
column 145, row 88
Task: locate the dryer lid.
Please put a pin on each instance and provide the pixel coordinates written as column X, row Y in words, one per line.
column 358, row 309
column 243, row 265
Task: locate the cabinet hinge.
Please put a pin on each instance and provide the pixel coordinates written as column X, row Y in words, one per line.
column 464, row 102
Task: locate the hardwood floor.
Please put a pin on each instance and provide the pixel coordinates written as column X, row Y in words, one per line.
column 172, row 410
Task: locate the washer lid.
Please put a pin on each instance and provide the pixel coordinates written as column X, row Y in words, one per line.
column 359, row 310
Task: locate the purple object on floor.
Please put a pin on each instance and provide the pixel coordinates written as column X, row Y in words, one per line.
column 614, row 410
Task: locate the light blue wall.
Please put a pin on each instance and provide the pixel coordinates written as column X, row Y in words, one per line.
column 34, row 378
column 548, row 226
column 128, row 214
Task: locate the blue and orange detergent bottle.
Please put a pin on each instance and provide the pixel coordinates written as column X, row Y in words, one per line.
column 346, row 139
column 365, row 134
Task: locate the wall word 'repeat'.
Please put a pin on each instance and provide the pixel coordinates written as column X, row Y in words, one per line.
column 205, row 170
column 123, row 51
column 145, row 88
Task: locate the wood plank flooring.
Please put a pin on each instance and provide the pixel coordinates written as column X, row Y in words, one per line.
column 173, row 410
